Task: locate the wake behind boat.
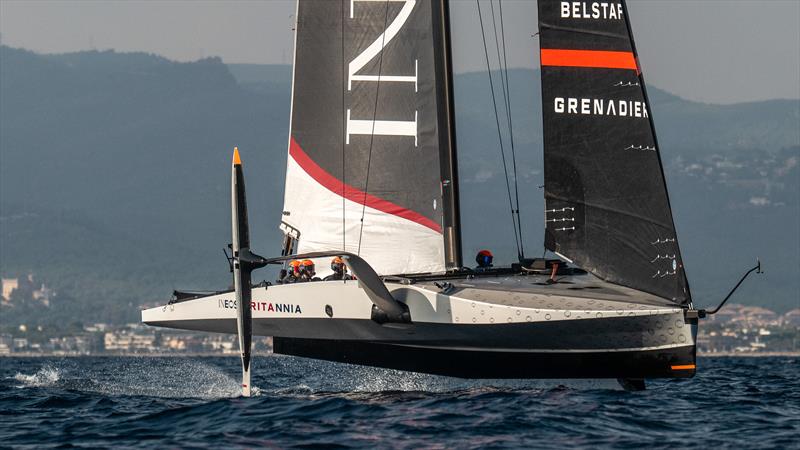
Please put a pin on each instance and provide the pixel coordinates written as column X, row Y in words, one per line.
column 372, row 178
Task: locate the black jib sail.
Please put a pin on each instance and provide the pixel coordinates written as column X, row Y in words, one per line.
column 371, row 153
column 607, row 207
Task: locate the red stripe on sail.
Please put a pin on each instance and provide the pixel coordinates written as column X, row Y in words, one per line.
column 589, row 58
column 353, row 194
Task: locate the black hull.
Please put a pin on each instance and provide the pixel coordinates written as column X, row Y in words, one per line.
column 678, row 362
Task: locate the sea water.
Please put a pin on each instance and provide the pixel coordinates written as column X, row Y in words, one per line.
column 149, row 402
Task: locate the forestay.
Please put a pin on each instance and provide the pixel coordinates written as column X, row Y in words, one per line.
column 370, row 167
column 607, row 207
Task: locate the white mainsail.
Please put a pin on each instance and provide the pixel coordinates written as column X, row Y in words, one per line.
column 370, row 160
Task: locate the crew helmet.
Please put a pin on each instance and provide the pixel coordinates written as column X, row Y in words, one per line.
column 337, row 264
column 484, row 258
column 308, row 265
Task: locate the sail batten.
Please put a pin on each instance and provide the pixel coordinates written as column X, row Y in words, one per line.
column 369, row 163
column 607, row 206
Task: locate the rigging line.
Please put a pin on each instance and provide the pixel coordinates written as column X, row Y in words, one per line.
column 500, row 59
column 372, row 133
column 511, row 129
column 506, row 88
column 497, row 120
column 344, row 135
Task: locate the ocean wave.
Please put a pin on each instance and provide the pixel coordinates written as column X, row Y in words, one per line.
column 147, row 377
column 45, row 377
column 183, row 378
column 195, row 402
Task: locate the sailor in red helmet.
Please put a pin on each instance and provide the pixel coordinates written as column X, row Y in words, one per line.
column 484, row 260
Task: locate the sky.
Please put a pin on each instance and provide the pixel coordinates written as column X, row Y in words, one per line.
column 716, row 51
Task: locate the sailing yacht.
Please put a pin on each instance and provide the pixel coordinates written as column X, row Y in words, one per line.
column 371, row 176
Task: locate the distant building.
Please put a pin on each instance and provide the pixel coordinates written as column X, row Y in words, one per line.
column 26, row 290
column 70, row 345
column 95, row 327
column 6, row 343
column 20, row 344
column 746, row 316
column 791, row 318
column 44, row 294
column 182, row 342
column 129, row 342
column 758, row 316
column 9, row 286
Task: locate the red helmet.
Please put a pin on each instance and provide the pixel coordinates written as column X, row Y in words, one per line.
column 484, row 258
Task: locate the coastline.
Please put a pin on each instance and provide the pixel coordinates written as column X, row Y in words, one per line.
column 129, row 355
column 747, row 355
column 269, row 354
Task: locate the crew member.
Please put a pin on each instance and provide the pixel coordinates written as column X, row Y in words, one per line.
column 339, row 270
column 301, row 273
column 484, row 260
column 282, row 276
column 293, row 272
column 308, row 271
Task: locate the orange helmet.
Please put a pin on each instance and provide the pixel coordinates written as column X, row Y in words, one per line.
column 337, row 264
column 308, row 265
column 294, row 266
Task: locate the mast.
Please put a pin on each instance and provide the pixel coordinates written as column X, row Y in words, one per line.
column 449, row 161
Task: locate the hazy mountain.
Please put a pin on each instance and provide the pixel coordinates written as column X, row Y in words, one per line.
column 114, row 176
column 135, row 151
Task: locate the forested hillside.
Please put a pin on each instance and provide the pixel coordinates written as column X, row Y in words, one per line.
column 114, row 180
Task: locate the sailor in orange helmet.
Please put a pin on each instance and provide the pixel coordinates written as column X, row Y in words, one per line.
column 339, row 270
column 484, row 259
column 293, row 272
column 307, row 271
